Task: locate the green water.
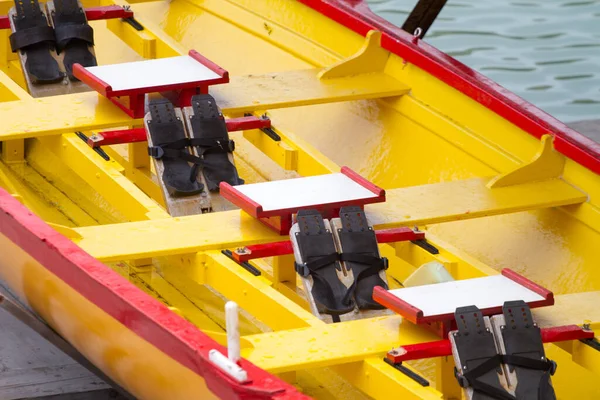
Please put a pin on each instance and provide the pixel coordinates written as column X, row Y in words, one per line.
column 546, row 51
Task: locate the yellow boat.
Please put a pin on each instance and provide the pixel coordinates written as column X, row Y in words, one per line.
column 460, row 180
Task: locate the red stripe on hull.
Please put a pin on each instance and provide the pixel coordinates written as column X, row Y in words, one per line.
column 357, row 16
column 142, row 314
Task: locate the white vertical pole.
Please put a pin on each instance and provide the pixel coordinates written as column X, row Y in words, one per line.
column 233, row 331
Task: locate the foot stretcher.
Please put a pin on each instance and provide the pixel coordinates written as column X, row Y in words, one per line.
column 339, row 263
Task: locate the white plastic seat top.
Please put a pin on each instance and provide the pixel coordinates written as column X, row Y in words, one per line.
column 485, row 293
column 304, row 192
column 153, row 73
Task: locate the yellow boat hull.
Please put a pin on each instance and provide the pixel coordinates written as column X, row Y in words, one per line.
column 434, row 149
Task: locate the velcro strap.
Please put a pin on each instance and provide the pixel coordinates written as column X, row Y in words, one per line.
column 213, row 145
column 529, row 363
column 316, row 264
column 160, row 152
column 68, row 32
column 366, row 259
column 28, row 37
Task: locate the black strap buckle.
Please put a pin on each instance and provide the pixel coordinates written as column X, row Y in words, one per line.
column 156, row 152
column 302, row 269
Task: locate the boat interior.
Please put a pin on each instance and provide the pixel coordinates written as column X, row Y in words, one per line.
column 481, row 193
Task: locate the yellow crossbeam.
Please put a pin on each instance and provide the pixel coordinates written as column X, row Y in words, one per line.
column 418, row 205
column 90, row 111
column 570, row 309
column 154, row 238
column 331, row 344
column 299, row 88
column 466, row 199
column 59, row 114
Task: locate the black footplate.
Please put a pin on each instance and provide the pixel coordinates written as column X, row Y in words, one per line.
column 170, row 146
column 212, row 142
column 321, row 261
column 525, row 354
column 74, row 36
column 360, row 253
column 479, row 360
column 35, row 39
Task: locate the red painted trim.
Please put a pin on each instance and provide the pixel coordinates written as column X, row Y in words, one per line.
column 408, row 311
column 210, row 65
column 419, row 351
column 385, row 298
column 91, row 80
column 139, row 312
column 565, row 333
column 252, row 208
column 285, row 247
column 442, row 348
column 356, row 15
column 107, row 12
column 4, row 22
column 364, row 182
column 521, row 280
column 247, row 123
column 119, row 137
column 240, row 199
column 398, row 235
column 264, row 250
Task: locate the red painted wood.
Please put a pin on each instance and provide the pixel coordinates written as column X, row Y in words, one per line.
column 442, row 348
column 408, row 311
column 254, row 209
column 139, row 134
column 364, row 183
column 247, row 123
column 414, row 315
column 4, row 22
column 141, row 313
column 285, row 247
column 241, row 200
column 135, row 109
column 118, row 137
column 521, row 280
column 356, row 15
column 107, row 12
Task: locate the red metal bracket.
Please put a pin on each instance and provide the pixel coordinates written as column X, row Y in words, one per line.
column 443, row 348
column 92, row 14
column 107, row 138
column 285, row 247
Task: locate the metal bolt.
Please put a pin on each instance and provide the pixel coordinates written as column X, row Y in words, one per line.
column 586, row 324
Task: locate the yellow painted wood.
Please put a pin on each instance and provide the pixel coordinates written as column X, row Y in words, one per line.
column 547, row 164
column 13, row 151
column 466, row 199
column 574, row 308
column 299, row 88
column 227, row 229
column 331, row 344
column 104, row 177
column 421, row 205
column 370, row 58
column 59, row 114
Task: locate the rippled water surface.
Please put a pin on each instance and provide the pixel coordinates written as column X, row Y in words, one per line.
column 546, row 51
